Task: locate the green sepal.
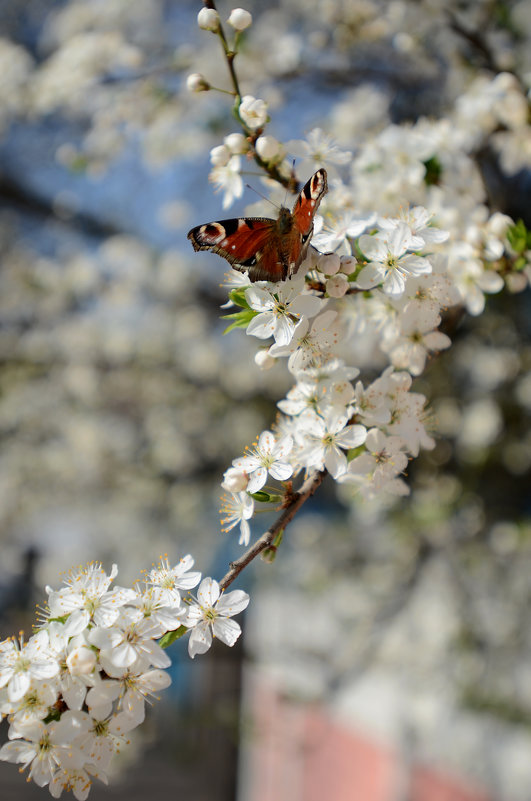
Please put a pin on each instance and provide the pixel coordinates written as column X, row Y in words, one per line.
column 519, row 237
column 269, row 554
column 60, row 619
column 353, row 452
column 240, row 319
column 238, row 297
column 55, row 714
column 265, row 497
column 520, row 263
column 170, row 636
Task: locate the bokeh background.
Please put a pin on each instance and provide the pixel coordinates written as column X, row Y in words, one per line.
column 394, row 635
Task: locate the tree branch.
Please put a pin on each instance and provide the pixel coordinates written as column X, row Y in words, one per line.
column 298, row 498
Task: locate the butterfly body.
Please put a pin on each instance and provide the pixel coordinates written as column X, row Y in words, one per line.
column 268, row 250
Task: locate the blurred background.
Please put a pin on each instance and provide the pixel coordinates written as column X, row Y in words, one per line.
column 386, row 655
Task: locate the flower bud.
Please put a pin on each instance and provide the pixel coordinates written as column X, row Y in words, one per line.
column 234, row 480
column 267, row 147
column 208, row 19
column 196, row 83
column 220, row 156
column 240, row 19
column 337, row 285
column 329, row 264
column 264, row 360
column 348, row 264
column 237, row 143
column 253, row 111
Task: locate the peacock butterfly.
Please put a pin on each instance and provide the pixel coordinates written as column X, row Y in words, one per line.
column 268, row 250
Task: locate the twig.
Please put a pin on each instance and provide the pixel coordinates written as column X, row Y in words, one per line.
column 288, row 182
column 298, row 498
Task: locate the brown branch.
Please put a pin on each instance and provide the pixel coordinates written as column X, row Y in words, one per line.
column 290, row 182
column 298, row 498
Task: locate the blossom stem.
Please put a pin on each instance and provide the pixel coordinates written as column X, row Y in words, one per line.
column 297, row 499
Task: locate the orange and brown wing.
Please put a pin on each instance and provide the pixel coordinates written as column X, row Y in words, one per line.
column 250, row 244
column 308, row 202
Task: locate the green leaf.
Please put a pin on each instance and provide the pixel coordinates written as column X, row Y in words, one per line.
column 518, row 236
column 433, row 171
column 238, row 297
column 170, row 636
column 240, row 319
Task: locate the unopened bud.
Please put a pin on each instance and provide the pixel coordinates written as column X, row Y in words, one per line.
column 208, row 19
column 234, row 480
column 267, row 147
column 240, row 19
column 220, row 156
column 237, row 143
column 196, row 83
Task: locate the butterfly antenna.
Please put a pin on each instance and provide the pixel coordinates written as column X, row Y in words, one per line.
column 268, row 200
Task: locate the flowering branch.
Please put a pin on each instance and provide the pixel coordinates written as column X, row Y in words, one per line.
column 296, row 500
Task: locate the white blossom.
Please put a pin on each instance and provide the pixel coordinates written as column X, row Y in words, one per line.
column 210, row 616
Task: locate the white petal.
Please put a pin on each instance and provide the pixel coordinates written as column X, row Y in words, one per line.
column 231, row 603
column 200, row 640
column 208, row 592
column 226, row 630
column 281, row 471
column 257, row 480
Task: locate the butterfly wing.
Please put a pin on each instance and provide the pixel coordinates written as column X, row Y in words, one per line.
column 308, row 202
column 245, row 243
column 299, row 227
column 268, row 250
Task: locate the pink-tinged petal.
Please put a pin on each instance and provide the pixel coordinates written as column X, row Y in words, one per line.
column 231, row 603
column 263, row 326
column 200, row 640
column 226, row 630
column 208, row 592
column 373, row 248
column 257, row 480
column 352, row 436
column 335, row 462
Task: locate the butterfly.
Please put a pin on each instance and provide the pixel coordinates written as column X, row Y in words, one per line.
column 268, row 250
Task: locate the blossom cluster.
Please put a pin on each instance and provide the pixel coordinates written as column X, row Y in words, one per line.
column 74, row 691
column 362, row 434
column 373, row 289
